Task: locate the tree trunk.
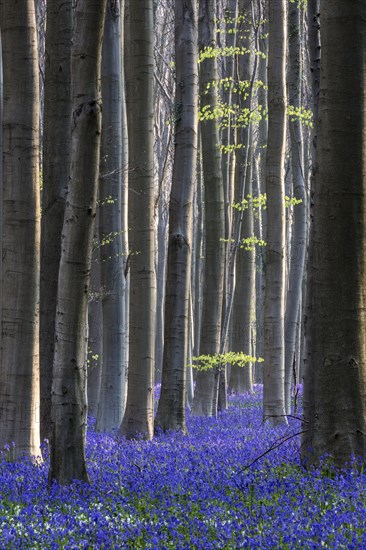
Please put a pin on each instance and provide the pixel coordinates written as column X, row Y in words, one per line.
column 204, row 398
column 163, row 100
column 260, row 222
column 69, row 410
column 19, row 365
column 274, row 306
column 124, row 204
column 56, row 152
column 259, row 275
column 299, row 227
column 1, row 176
column 314, row 54
column 241, row 378
column 335, row 396
column 198, row 252
column 228, row 141
column 95, row 332
column 138, row 418
column 171, row 409
column 112, row 276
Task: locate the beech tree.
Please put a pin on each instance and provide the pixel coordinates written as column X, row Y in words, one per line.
column 299, row 236
column 69, row 410
column 139, row 59
column 260, row 220
column 171, row 409
column 95, row 331
column 242, row 255
column 56, row 152
column 19, row 361
column 335, row 382
column 314, row 55
column 1, row 174
column 205, row 397
column 112, row 276
column 274, row 303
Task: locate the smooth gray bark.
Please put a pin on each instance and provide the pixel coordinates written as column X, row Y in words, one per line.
column 112, row 277
column 315, row 55
column 241, row 378
column 56, row 154
column 228, row 140
column 124, row 204
column 19, row 361
column 198, row 254
column 241, row 296
column 163, row 101
column 69, row 408
column 205, row 400
column 95, row 332
column 274, row 303
column 1, row 177
column 299, row 227
column 335, row 383
column 171, row 409
column 139, row 59
column 261, row 225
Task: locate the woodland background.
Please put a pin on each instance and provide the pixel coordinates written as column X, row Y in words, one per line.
column 183, row 202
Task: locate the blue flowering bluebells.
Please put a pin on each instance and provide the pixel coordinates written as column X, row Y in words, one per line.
column 208, row 490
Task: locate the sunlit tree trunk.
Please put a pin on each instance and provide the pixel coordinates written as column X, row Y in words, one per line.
column 138, row 418
column 19, row 362
column 335, row 392
column 69, row 410
column 204, row 398
column 171, row 409
column 259, row 273
column 274, row 306
column 299, row 227
column 56, row 151
column 124, row 202
column 260, row 221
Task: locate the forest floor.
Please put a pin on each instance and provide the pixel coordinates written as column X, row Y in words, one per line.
column 208, row 490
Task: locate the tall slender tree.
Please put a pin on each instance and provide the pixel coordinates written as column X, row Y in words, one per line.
column 112, row 277
column 138, row 418
column 299, row 227
column 69, row 409
column 56, row 151
column 260, row 221
column 171, row 410
column 314, row 55
column 335, row 383
column 1, row 173
column 124, row 196
column 163, row 138
column 19, row 361
column 274, row 305
column 241, row 298
column 204, row 398
column 95, row 331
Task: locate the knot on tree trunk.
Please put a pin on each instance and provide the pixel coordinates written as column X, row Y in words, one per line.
column 179, row 240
